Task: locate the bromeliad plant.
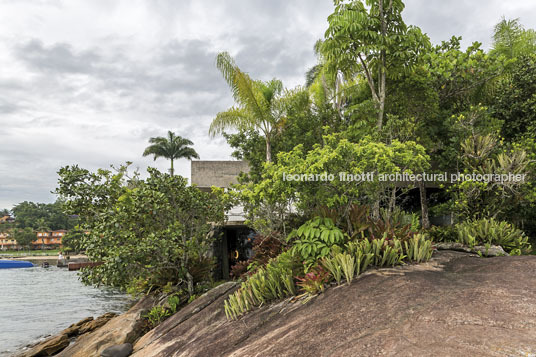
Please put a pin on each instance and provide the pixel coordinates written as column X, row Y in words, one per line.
column 493, row 232
column 418, row 249
column 314, row 239
column 314, row 281
column 383, row 254
column 275, row 281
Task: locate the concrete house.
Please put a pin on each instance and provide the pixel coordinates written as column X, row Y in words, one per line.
column 233, row 242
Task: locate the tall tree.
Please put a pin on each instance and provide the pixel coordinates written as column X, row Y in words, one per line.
column 370, row 38
column 258, row 103
column 24, row 236
column 42, row 216
column 512, row 40
column 172, row 147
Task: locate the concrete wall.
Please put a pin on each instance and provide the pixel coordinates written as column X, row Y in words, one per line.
column 206, row 174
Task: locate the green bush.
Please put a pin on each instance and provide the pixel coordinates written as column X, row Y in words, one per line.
column 314, row 239
column 275, row 281
column 443, row 233
column 157, row 314
column 493, row 232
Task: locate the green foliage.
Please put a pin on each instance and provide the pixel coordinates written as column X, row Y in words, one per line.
column 332, row 264
column 47, row 216
column 259, row 107
column 155, row 229
column 372, row 39
column 418, row 249
column 174, row 303
column 514, row 101
column 511, row 40
column 347, row 264
column 24, row 236
column 73, row 240
column 314, row 239
column 275, row 281
column 280, row 195
column 157, row 315
column 171, row 147
column 443, row 233
column 383, row 254
column 493, row 232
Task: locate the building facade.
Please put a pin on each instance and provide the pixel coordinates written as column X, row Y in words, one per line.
column 44, row 240
column 233, row 240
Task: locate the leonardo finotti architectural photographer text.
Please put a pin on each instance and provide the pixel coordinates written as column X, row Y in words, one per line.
column 406, row 177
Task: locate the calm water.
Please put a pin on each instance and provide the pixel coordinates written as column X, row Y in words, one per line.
column 35, row 302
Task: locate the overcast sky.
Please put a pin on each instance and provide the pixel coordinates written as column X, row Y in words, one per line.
column 89, row 82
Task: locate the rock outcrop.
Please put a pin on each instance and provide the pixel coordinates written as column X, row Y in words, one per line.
column 48, row 347
column 121, row 329
column 456, row 304
column 491, row 251
column 54, row 344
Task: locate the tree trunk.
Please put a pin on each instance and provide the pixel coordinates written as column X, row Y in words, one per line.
column 190, row 283
column 424, row 206
column 376, row 209
column 392, row 201
column 268, row 149
column 171, row 171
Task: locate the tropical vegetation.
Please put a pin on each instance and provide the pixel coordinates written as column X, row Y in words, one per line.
column 381, row 100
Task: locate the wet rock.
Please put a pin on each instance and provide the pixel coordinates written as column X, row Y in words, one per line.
column 456, row 305
column 124, row 328
column 48, row 347
column 74, row 328
column 123, row 350
column 95, row 324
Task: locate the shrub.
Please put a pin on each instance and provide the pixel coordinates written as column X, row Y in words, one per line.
column 443, row 233
column 157, row 314
column 491, row 232
column 314, row 239
column 174, row 303
column 264, row 248
column 239, row 269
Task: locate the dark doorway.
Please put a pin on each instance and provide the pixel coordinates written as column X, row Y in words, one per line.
column 233, row 245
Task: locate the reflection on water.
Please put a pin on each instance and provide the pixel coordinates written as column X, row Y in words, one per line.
column 35, row 302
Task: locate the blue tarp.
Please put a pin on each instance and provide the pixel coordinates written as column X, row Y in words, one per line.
column 7, row 264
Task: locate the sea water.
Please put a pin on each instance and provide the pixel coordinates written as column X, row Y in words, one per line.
column 36, row 302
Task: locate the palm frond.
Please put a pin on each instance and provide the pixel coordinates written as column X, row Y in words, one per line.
column 233, row 118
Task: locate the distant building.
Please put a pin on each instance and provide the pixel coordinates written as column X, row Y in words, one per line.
column 49, row 239
column 7, row 242
column 44, row 239
column 6, row 219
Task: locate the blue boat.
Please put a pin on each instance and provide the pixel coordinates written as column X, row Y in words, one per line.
column 9, row 264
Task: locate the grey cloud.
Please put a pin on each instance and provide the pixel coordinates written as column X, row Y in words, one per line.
column 56, row 58
column 88, row 86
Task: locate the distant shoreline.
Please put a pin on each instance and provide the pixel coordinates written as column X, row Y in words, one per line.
column 46, row 257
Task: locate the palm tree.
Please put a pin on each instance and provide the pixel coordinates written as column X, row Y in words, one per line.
column 171, row 147
column 512, row 40
column 259, row 106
